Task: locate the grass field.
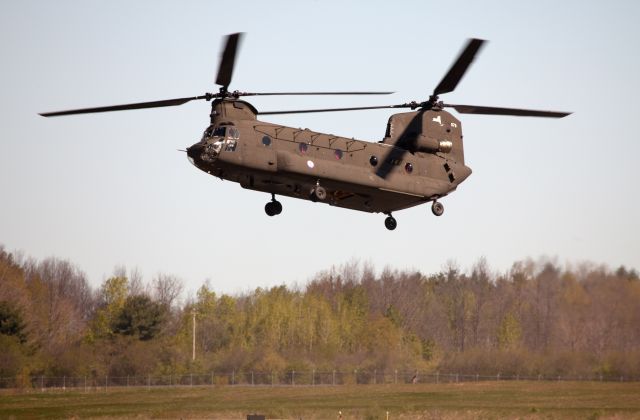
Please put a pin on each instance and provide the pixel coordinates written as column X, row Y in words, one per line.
column 577, row 400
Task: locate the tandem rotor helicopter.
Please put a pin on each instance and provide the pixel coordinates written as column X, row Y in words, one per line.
column 419, row 160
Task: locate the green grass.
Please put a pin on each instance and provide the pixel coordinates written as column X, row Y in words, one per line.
column 579, row 400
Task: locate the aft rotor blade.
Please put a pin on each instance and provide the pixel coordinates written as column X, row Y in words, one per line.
column 228, row 59
column 308, row 93
column 459, row 68
column 308, row 111
column 138, row 105
column 489, row 110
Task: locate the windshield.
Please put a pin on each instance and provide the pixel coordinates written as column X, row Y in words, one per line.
column 214, row 132
column 219, row 132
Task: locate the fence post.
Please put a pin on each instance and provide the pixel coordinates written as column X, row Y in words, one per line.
column 313, row 377
column 375, row 373
column 271, row 378
column 457, row 377
column 498, row 376
column 233, row 377
column 106, row 383
column 64, row 383
column 477, row 377
column 355, row 375
column 211, row 378
column 191, row 380
column 437, row 376
column 293, row 377
column 85, row 383
column 42, row 383
column 148, row 382
column 127, row 381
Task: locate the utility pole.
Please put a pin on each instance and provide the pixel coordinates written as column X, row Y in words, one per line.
column 194, row 335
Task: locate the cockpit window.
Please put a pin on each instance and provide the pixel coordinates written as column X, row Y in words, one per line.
column 231, row 145
column 219, row 132
column 214, row 132
column 233, row 133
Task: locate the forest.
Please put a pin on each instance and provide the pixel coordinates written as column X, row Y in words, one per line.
column 537, row 318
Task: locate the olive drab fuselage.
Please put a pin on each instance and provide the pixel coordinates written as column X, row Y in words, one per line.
column 420, row 159
column 356, row 174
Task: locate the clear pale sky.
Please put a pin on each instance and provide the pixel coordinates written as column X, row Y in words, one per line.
column 110, row 189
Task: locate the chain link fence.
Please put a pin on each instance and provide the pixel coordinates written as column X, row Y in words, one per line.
column 283, row 378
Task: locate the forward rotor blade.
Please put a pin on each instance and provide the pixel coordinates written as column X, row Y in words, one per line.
column 308, row 111
column 309, row 93
column 459, row 68
column 228, row 59
column 489, row 110
column 138, row 105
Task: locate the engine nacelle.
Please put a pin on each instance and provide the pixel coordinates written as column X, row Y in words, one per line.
column 433, row 131
column 431, row 145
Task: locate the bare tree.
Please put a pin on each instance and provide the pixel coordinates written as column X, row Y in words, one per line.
column 166, row 288
column 136, row 286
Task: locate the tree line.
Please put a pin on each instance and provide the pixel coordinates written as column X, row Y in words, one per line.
column 537, row 318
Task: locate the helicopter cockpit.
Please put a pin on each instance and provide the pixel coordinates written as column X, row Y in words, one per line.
column 212, row 132
column 214, row 139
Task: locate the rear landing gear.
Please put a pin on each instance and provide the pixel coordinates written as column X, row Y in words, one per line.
column 273, row 207
column 437, row 208
column 390, row 222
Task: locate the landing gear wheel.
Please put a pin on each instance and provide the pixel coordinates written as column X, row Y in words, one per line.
column 437, row 208
column 318, row 194
column 390, row 223
column 270, row 209
column 273, row 207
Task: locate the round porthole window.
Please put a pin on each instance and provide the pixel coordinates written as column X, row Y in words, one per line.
column 408, row 167
column 338, row 154
column 266, row 140
column 373, row 161
column 303, row 147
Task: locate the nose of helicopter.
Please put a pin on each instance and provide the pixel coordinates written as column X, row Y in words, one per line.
column 194, row 152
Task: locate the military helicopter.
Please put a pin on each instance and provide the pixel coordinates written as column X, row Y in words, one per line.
column 419, row 160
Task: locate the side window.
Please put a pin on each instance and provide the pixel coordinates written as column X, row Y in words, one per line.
column 233, row 133
column 231, row 145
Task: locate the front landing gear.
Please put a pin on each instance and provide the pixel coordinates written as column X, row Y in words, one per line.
column 273, row 207
column 390, row 222
column 437, row 208
column 318, row 193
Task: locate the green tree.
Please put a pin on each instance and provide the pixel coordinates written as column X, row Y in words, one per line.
column 509, row 333
column 113, row 295
column 141, row 317
column 394, row 316
column 11, row 322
